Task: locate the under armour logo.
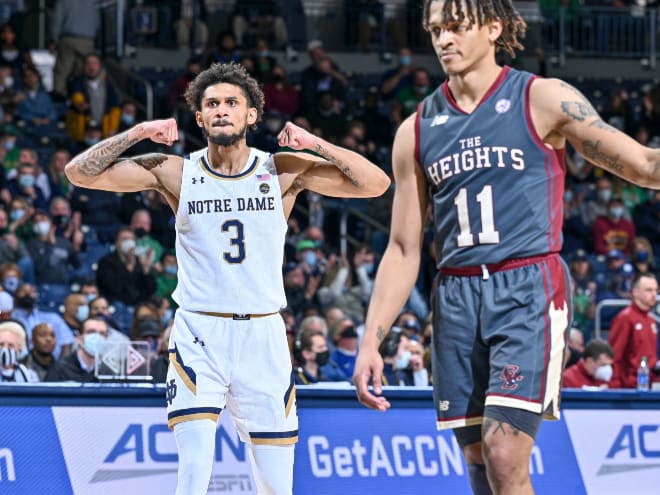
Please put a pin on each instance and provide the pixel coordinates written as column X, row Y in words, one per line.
column 197, row 341
column 170, row 391
column 200, row 179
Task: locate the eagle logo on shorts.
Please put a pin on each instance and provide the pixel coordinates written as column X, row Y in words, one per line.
column 511, row 376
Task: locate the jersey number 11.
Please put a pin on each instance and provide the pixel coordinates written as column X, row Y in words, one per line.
column 488, row 234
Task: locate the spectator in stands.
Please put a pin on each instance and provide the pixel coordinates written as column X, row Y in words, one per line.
column 260, row 18
column 67, row 224
column 575, row 348
column 162, row 218
column 185, row 25
column 584, row 290
column 333, row 314
column 594, row 369
column 263, row 60
column 322, row 75
column 161, row 361
column 147, row 330
column 99, row 210
column 10, row 53
column 29, row 155
column 167, row 279
column 634, row 333
column 617, row 112
column 177, row 102
column 124, row 276
column 328, row 116
column 13, row 250
column 650, row 117
column 75, row 23
column 300, row 292
column 76, row 310
column 642, row 256
column 59, row 184
column 99, row 306
column 164, row 308
column 20, row 218
column 12, row 345
column 647, row 219
column 345, row 339
column 54, row 257
column 10, row 150
column 616, row 280
column 6, row 305
column 420, row 374
column 35, row 106
column 394, row 80
column 23, row 186
column 29, row 315
column 79, row 366
column 279, row 94
column 92, row 97
column 377, row 122
column 613, row 231
column 146, row 246
column 410, row 95
column 41, row 359
column 11, row 277
column 575, row 231
column 89, row 289
column 630, row 194
column 364, row 19
column 225, row 50
column 8, row 89
column 409, row 324
column 599, row 206
column 396, row 358
column 312, row 355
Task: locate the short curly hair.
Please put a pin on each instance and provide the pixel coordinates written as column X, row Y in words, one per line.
column 481, row 12
column 231, row 73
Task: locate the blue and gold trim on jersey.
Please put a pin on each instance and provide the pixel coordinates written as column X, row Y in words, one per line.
column 192, row 413
column 204, row 165
column 186, row 373
column 274, row 438
column 289, row 397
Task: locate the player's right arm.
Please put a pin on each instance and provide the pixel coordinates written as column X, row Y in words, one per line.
column 398, row 269
column 100, row 166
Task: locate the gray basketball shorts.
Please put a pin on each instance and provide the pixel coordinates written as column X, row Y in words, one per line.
column 499, row 337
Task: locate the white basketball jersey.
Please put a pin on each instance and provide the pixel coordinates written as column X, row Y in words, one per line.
column 230, row 237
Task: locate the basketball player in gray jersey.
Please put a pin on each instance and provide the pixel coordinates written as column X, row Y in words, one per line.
column 228, row 347
column 487, row 149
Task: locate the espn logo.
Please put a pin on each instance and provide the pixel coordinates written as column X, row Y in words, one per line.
column 7, row 471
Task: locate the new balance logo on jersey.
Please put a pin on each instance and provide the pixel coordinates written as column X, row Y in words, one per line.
column 195, row 180
column 439, row 120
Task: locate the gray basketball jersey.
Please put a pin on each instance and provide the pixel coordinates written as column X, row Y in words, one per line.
column 230, row 237
column 496, row 189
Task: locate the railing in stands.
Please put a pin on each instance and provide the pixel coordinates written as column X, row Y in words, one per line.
column 347, row 239
column 615, row 303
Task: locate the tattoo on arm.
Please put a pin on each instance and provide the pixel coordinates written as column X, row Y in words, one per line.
column 578, row 110
column 656, row 165
column 102, row 155
column 591, row 151
column 150, row 160
column 345, row 169
column 601, row 124
column 381, row 333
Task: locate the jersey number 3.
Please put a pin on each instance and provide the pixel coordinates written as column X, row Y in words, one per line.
column 488, row 234
column 237, row 242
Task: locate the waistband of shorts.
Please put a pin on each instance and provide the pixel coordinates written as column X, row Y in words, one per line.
column 488, row 268
column 236, row 316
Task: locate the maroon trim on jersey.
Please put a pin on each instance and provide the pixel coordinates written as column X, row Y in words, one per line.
column 546, row 318
column 418, row 128
column 471, row 271
column 553, row 158
column 494, row 87
column 462, row 416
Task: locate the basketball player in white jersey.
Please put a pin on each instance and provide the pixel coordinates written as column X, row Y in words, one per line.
column 228, row 347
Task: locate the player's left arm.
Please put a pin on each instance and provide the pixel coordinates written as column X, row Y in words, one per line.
column 560, row 111
column 336, row 171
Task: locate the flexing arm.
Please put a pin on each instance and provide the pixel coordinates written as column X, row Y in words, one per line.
column 341, row 172
column 560, row 111
column 100, row 167
column 398, row 269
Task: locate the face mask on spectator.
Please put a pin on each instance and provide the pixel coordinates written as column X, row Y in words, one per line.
column 127, row 245
column 402, row 361
column 322, row 358
column 604, row 373
column 10, row 284
column 405, row 60
column 16, row 214
column 616, row 212
column 574, row 357
column 140, row 232
column 92, row 141
column 8, row 357
column 605, row 195
column 26, row 180
column 41, row 228
column 177, row 149
column 82, row 313
column 94, row 343
column 568, row 196
column 9, row 144
column 642, row 256
column 25, row 302
column 8, row 82
column 167, row 316
column 170, row 269
column 127, row 118
column 309, row 257
column 369, row 267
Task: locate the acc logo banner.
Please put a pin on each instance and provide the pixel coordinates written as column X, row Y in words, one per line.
column 110, row 450
column 617, row 453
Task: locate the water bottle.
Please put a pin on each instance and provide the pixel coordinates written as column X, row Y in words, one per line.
column 643, row 381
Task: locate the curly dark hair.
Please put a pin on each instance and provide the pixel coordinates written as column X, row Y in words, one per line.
column 482, row 12
column 231, row 73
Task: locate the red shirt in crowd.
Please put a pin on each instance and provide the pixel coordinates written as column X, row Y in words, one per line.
column 633, row 335
column 613, row 234
column 576, row 376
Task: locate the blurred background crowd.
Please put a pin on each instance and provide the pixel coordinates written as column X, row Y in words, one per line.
column 82, row 269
